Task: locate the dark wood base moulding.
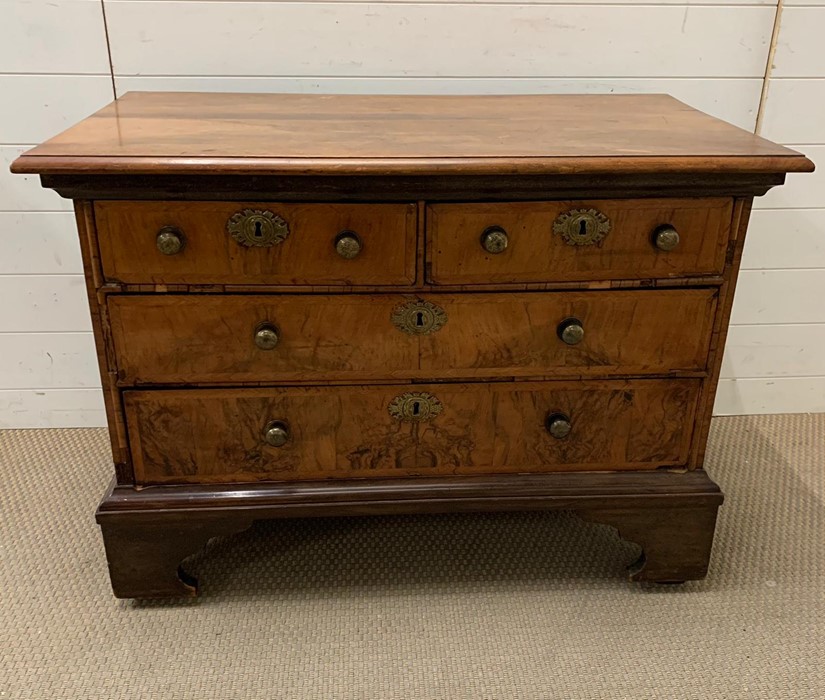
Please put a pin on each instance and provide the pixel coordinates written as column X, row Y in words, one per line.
column 148, row 532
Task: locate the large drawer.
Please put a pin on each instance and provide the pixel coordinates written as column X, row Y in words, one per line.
column 339, row 432
column 170, row 339
column 570, row 241
column 247, row 243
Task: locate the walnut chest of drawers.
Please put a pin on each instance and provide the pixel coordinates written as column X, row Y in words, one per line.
column 338, row 305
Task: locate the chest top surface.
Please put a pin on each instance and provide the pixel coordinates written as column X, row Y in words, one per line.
column 180, row 133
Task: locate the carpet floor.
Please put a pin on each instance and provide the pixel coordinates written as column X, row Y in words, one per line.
column 523, row 605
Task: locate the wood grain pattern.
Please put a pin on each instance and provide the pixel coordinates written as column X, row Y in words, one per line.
column 84, row 215
column 169, row 133
column 211, row 256
column 719, row 332
column 184, row 339
column 536, row 254
column 191, row 339
column 516, row 334
column 212, row 435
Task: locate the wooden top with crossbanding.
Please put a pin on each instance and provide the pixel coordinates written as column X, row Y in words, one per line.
column 179, row 133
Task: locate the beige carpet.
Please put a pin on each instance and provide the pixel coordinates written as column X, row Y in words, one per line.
column 476, row 606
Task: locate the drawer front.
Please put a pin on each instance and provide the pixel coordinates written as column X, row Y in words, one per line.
column 170, row 339
column 257, row 243
column 576, row 241
column 294, row 433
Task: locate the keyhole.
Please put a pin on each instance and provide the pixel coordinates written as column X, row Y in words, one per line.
column 416, row 408
column 419, row 320
column 258, row 230
column 583, row 227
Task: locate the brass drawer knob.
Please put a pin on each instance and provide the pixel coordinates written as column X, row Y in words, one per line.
column 266, row 336
column 348, row 245
column 558, row 425
column 494, row 240
column 276, row 433
column 666, row 238
column 571, row 331
column 170, row 241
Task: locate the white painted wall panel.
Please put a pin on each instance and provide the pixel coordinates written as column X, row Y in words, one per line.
column 39, row 242
column 799, row 52
column 781, row 350
column 801, row 190
column 54, row 70
column 781, row 395
column 34, row 108
column 58, row 36
column 795, row 110
column 778, row 362
column 779, row 296
column 357, row 39
column 785, row 238
column 43, row 303
column 23, row 192
column 734, row 100
column 48, row 360
column 52, row 408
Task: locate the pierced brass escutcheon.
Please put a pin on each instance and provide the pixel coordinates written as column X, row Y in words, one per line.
column 582, row 226
column 257, row 227
column 418, row 317
column 415, row 406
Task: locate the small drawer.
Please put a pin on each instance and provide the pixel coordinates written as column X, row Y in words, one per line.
column 294, row 433
column 169, row 338
column 257, row 243
column 523, row 242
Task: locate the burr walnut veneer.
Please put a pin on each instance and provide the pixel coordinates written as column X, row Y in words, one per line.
column 343, row 305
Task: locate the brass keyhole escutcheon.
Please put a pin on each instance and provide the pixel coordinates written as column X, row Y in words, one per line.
column 414, row 407
column 418, row 317
column 582, row 226
column 258, row 228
